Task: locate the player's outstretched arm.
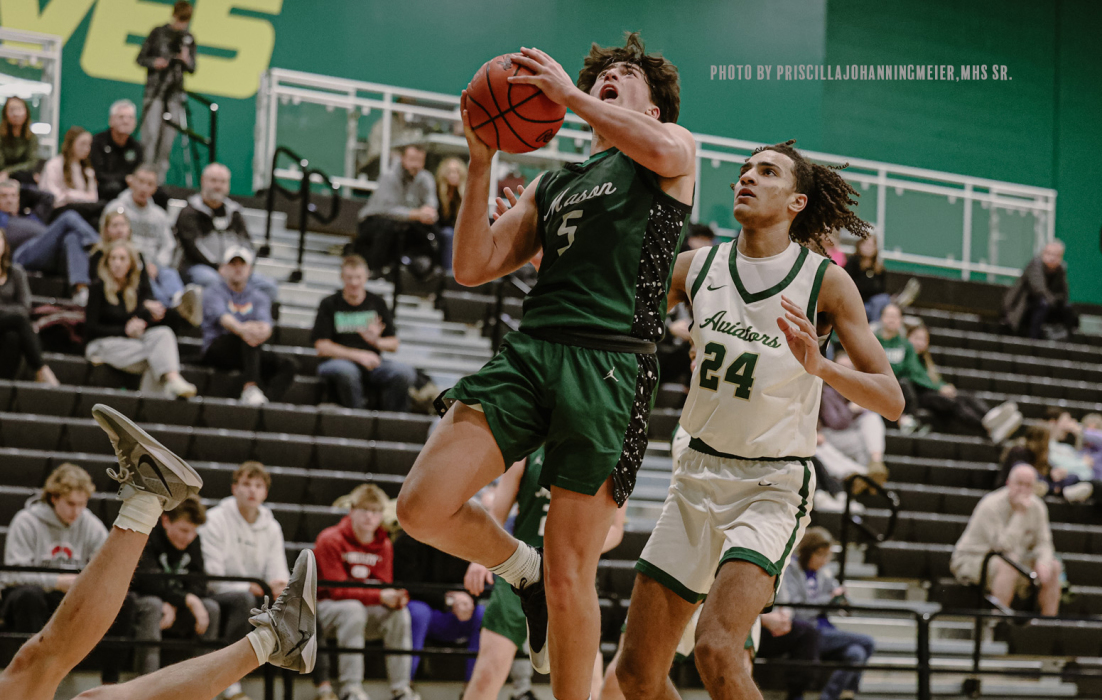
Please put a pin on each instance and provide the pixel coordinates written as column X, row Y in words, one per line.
column 679, row 291
column 871, row 383
column 482, row 252
column 666, row 149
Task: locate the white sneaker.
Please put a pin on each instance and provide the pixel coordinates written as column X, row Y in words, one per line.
column 826, row 502
column 998, row 414
column 907, row 424
column 253, row 396
column 908, row 294
column 190, row 307
column 1011, row 422
column 180, row 388
column 80, row 298
column 1077, row 493
column 353, row 691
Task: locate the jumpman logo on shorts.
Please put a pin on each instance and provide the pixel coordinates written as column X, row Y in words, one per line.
column 612, row 376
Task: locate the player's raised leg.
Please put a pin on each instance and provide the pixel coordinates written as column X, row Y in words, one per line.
column 657, row 618
column 285, row 636
column 153, row 480
column 740, row 592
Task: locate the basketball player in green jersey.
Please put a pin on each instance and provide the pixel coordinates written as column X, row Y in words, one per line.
column 579, row 375
column 503, row 628
column 741, row 497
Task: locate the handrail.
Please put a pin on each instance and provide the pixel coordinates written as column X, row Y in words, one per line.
column 982, row 596
column 500, row 318
column 847, row 517
column 306, row 207
column 211, row 141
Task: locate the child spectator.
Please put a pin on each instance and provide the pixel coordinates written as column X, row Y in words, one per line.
column 125, row 327
column 358, row 549
column 171, row 607
column 18, row 339
column 1012, row 520
column 18, row 144
column 451, row 183
column 807, row 580
column 55, row 530
column 115, row 152
column 237, row 320
column 452, row 617
column 353, row 328
column 242, row 538
column 69, row 176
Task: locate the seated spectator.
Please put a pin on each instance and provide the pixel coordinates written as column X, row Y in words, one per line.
column 69, row 177
column 1092, row 442
column 166, row 288
column 353, row 329
column 867, row 272
column 170, row 607
column 400, row 218
column 18, row 144
column 850, row 434
column 452, row 617
column 1012, row 520
column 921, row 391
column 237, row 320
column 115, row 152
column 20, row 226
column 242, row 538
column 807, row 580
column 18, row 339
column 1000, row 422
column 451, row 183
column 210, row 225
column 783, row 635
column 55, row 530
column 62, row 250
column 359, row 549
column 126, row 328
column 1033, row 449
column 1037, row 305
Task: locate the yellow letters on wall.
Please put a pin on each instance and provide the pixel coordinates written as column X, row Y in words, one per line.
column 108, row 55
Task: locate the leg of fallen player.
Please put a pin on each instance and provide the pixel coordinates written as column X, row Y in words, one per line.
column 201, row 678
column 740, row 592
column 84, row 616
column 656, row 619
column 573, row 536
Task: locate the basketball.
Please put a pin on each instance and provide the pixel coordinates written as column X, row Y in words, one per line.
column 512, row 118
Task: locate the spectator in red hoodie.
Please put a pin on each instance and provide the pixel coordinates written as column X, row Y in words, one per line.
column 358, row 549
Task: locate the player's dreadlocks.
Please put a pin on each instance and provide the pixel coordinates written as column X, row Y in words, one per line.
column 829, row 198
column 665, row 86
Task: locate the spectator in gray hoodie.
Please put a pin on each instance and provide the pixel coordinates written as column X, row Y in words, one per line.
column 54, row 530
column 150, row 232
column 210, row 225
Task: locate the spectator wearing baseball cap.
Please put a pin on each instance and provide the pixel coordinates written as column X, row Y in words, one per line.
column 237, row 321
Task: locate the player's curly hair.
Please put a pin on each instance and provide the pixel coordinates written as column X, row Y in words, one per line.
column 829, row 198
column 662, row 77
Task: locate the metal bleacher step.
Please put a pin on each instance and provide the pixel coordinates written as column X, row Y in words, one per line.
column 941, row 647
column 875, row 686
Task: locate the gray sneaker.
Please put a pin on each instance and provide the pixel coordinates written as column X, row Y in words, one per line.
column 293, row 618
column 145, row 464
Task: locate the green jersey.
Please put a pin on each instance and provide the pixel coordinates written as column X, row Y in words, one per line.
column 610, row 236
column 533, row 501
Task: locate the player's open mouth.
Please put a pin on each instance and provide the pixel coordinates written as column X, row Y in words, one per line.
column 744, row 192
column 608, row 91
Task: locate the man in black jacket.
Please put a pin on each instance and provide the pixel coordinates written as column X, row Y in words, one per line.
column 167, row 53
column 1040, row 296
column 115, row 152
column 170, row 606
column 452, row 617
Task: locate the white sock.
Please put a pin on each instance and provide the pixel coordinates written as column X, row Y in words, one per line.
column 523, row 565
column 234, row 689
column 264, row 643
column 140, row 512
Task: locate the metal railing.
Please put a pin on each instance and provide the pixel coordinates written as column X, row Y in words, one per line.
column 398, row 105
column 501, row 322
column 306, row 176
column 191, row 139
column 848, row 518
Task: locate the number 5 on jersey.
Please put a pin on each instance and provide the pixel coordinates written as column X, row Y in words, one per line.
column 740, row 373
column 568, row 231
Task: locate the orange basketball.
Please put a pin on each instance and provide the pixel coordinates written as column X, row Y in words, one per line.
column 512, row 118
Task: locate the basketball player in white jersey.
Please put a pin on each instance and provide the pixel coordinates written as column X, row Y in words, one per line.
column 742, row 495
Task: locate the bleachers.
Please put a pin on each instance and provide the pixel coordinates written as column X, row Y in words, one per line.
column 318, row 453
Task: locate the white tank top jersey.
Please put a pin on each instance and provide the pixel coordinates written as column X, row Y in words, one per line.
column 750, row 398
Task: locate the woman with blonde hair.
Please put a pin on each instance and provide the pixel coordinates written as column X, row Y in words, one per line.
column 451, row 184
column 121, row 328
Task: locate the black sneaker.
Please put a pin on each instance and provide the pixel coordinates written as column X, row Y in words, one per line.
column 526, row 695
column 533, row 601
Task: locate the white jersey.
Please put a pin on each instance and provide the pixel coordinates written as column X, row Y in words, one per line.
column 749, row 397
